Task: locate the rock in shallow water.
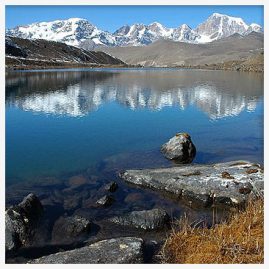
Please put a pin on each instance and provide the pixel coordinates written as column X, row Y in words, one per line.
column 111, row 187
column 146, row 219
column 21, row 220
column 68, row 229
column 203, row 184
column 105, row 201
column 113, row 251
column 77, row 181
column 179, row 148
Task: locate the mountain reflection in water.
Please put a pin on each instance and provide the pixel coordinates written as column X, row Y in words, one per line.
column 76, row 93
column 61, row 121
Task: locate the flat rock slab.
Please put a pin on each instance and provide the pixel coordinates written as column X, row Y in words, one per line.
column 112, row 251
column 146, row 219
column 229, row 183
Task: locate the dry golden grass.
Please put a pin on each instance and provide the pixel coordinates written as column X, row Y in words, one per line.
column 240, row 240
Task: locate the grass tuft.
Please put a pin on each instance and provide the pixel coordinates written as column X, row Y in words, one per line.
column 239, row 240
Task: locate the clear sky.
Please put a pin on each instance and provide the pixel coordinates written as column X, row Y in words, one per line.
column 110, row 18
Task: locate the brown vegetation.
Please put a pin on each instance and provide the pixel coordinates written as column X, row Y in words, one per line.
column 239, row 240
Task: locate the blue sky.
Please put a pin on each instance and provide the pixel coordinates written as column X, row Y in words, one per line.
column 110, row 18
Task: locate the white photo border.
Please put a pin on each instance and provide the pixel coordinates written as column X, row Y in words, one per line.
column 4, row 3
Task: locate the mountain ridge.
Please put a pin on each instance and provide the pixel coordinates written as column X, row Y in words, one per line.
column 80, row 32
column 234, row 49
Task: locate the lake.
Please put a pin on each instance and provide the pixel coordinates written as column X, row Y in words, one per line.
column 94, row 123
column 64, row 121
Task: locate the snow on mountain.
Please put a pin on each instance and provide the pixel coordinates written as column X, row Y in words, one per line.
column 184, row 34
column 80, row 32
column 253, row 27
column 134, row 35
column 140, row 34
column 218, row 26
column 158, row 29
column 72, row 32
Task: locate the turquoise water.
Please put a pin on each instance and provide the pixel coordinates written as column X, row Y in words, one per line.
column 64, row 121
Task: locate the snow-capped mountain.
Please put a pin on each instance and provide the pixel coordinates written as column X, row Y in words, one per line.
column 140, row 34
column 218, row 26
column 184, row 34
column 253, row 27
column 80, row 32
column 72, row 32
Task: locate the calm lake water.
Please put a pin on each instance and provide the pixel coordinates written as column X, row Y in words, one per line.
column 64, row 121
column 70, row 132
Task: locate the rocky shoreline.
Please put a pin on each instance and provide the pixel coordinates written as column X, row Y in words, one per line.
column 130, row 236
column 71, row 236
column 239, row 66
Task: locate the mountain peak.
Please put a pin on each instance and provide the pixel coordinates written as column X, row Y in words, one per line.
column 71, row 31
column 223, row 15
column 254, row 25
column 69, row 20
column 228, row 18
column 217, row 15
column 76, row 19
column 155, row 23
column 218, row 26
column 79, row 31
column 139, row 24
column 185, row 26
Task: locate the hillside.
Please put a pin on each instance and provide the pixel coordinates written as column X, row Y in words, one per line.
column 235, row 49
column 29, row 54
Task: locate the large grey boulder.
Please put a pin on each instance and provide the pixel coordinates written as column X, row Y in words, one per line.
column 146, row 219
column 179, row 148
column 21, row 221
column 229, row 184
column 68, row 229
column 112, row 251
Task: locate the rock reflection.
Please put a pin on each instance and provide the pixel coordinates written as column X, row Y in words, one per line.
column 77, row 93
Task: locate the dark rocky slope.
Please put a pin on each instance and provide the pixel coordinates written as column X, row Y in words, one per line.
column 28, row 54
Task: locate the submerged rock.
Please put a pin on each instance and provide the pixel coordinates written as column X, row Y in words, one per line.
column 179, row 148
column 112, row 251
column 72, row 202
column 105, row 201
column 134, row 197
column 203, row 184
column 111, row 187
column 68, row 229
column 21, row 221
column 146, row 219
column 77, row 181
